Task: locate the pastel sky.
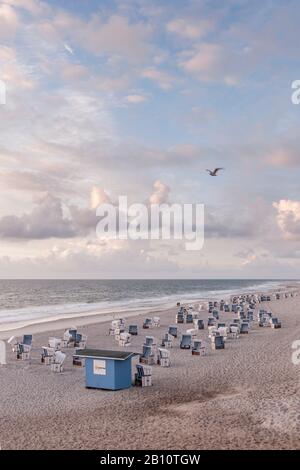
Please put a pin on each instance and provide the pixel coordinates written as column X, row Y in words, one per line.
column 138, row 98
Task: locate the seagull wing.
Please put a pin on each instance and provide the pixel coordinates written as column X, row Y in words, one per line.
column 216, row 170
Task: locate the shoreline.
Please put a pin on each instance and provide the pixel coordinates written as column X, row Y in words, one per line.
column 41, row 325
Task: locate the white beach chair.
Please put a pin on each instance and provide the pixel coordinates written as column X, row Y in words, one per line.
column 124, row 339
column 233, row 332
column 163, row 357
column 69, row 337
column 54, row 343
column 58, row 360
column 23, row 349
column 80, row 341
column 47, row 355
column 167, row 341
column 199, row 348
column 156, row 321
column 2, row 353
column 223, row 330
column 211, row 331
column 143, row 377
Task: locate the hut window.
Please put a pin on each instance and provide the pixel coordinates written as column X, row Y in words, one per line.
column 99, row 367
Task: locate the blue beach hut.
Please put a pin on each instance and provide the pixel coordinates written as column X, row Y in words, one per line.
column 110, row 370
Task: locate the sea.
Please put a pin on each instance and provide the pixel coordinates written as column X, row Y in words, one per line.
column 43, row 300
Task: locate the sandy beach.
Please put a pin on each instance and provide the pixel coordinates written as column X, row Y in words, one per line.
column 244, row 397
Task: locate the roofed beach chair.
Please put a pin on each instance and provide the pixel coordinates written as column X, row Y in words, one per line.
column 211, row 330
column 47, row 355
column 133, row 330
column 69, row 338
column 250, row 315
column 147, row 323
column 244, row 328
column 179, row 317
column 199, row 324
column 215, row 314
column 223, row 330
column 173, row 331
column 148, row 356
column 156, row 321
column 233, row 331
column 218, row 342
column 22, row 353
column 189, row 318
column 275, row 323
column 143, row 376
column 186, row 341
column 226, row 308
column 163, row 357
column 167, row 341
column 58, row 361
column 80, row 341
column 198, row 348
column 211, row 321
column 54, row 343
column 23, row 349
column 2, row 353
column 150, row 341
column 124, row 339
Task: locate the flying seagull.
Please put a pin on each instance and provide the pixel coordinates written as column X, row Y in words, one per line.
column 215, row 171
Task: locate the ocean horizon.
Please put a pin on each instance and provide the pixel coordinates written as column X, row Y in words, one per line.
column 34, row 300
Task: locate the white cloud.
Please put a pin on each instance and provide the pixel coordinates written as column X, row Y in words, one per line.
column 205, row 61
column 164, row 79
column 8, row 21
column 288, row 218
column 135, row 99
column 190, row 28
column 160, row 194
column 98, row 197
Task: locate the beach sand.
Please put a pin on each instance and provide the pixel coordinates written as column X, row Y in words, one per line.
column 244, row 397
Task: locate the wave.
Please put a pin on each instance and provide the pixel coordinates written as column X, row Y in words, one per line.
column 145, row 304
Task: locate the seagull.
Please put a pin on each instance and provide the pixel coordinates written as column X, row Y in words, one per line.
column 215, row 171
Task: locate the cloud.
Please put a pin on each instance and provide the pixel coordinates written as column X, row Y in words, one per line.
column 98, row 196
column 162, row 78
column 49, row 218
column 190, row 28
column 288, row 218
column 69, row 49
column 135, row 99
column 34, row 7
column 205, row 62
column 8, row 21
column 114, row 36
column 160, row 194
column 46, row 220
column 283, row 156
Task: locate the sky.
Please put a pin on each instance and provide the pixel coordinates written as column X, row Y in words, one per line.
column 139, row 98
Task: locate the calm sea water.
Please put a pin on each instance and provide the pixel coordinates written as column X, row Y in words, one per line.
column 23, row 300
